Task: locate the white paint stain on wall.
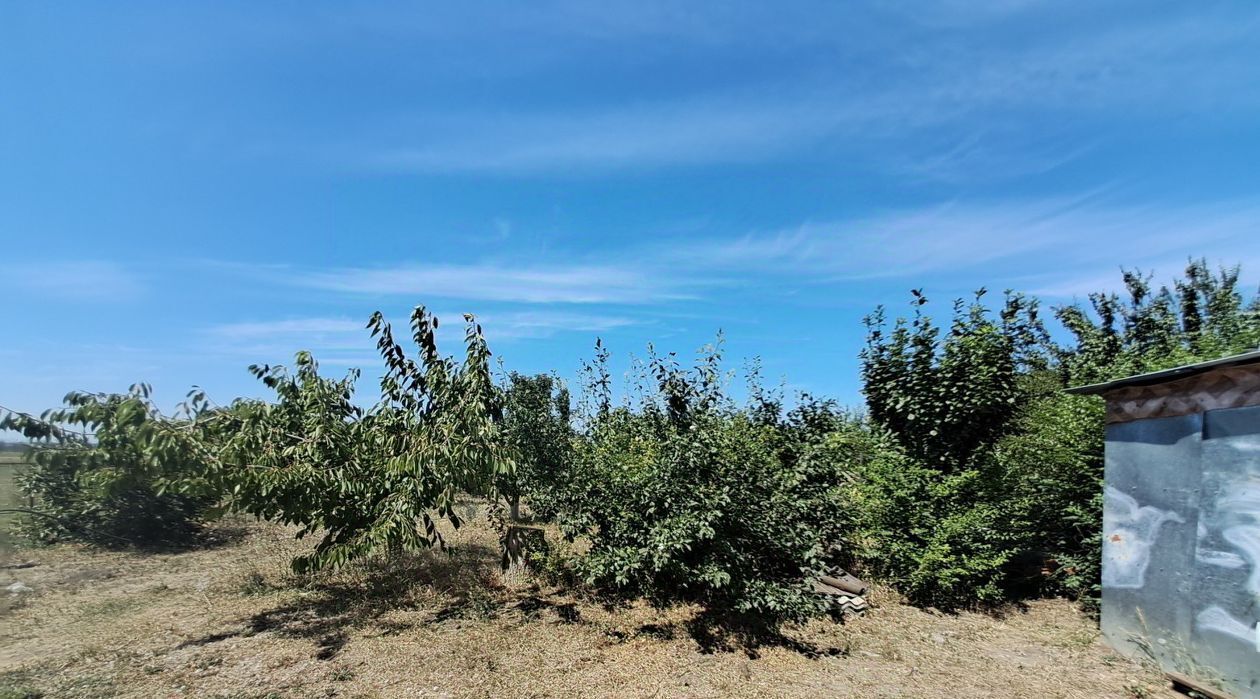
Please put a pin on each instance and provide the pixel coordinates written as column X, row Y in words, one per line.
column 1241, row 498
column 1215, row 618
column 1129, row 532
column 1213, row 557
column 1237, row 517
column 1247, row 540
column 1249, row 443
column 1234, row 514
column 1221, row 559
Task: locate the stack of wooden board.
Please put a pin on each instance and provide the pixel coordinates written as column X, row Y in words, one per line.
column 848, row 594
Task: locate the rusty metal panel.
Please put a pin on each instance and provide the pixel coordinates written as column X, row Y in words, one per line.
column 1150, row 520
column 1226, row 641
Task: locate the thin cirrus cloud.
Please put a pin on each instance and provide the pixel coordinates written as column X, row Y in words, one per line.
column 578, row 284
column 93, row 281
column 343, row 341
column 541, row 324
column 1077, row 236
column 336, row 341
column 986, row 156
column 1073, row 232
column 722, row 129
column 958, row 102
column 298, row 326
column 901, row 243
column 336, row 331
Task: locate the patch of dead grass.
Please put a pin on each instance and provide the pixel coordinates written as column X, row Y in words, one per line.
column 234, row 622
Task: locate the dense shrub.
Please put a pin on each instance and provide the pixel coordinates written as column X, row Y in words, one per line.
column 687, row 498
column 1054, row 460
column 995, row 486
column 942, row 398
column 942, row 539
column 95, row 475
column 933, row 508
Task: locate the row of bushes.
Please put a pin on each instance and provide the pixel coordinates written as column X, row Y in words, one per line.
column 969, row 479
column 972, row 477
column 112, row 469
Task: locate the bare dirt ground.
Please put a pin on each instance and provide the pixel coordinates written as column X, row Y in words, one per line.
column 231, row 621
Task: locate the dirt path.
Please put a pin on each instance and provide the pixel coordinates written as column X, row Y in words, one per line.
column 231, row 622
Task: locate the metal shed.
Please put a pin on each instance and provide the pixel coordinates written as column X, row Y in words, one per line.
column 1181, row 521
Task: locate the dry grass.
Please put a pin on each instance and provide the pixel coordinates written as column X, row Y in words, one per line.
column 232, row 622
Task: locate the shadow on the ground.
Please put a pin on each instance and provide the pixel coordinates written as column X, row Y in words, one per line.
column 221, row 535
column 536, row 607
column 715, row 632
column 334, row 604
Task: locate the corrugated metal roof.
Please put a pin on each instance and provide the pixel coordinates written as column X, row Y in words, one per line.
column 1156, row 377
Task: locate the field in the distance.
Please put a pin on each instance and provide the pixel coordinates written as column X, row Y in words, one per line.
column 10, row 462
column 231, row 622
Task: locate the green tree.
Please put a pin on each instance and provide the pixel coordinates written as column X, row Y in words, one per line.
column 1053, row 458
column 374, row 480
column 100, row 469
column 369, row 481
column 1202, row 316
column 998, row 478
column 944, row 398
column 933, row 514
column 537, row 426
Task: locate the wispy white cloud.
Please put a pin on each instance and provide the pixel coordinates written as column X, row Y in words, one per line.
column 89, row 281
column 985, row 156
column 1082, row 237
column 930, row 85
column 1077, row 233
column 958, row 13
column 715, row 129
column 517, row 282
column 288, row 327
column 335, row 341
column 895, row 244
column 533, row 324
column 345, row 342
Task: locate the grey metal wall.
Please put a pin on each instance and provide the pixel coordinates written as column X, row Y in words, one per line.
column 1181, row 546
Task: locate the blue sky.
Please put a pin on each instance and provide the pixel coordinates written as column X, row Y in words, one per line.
column 186, row 189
